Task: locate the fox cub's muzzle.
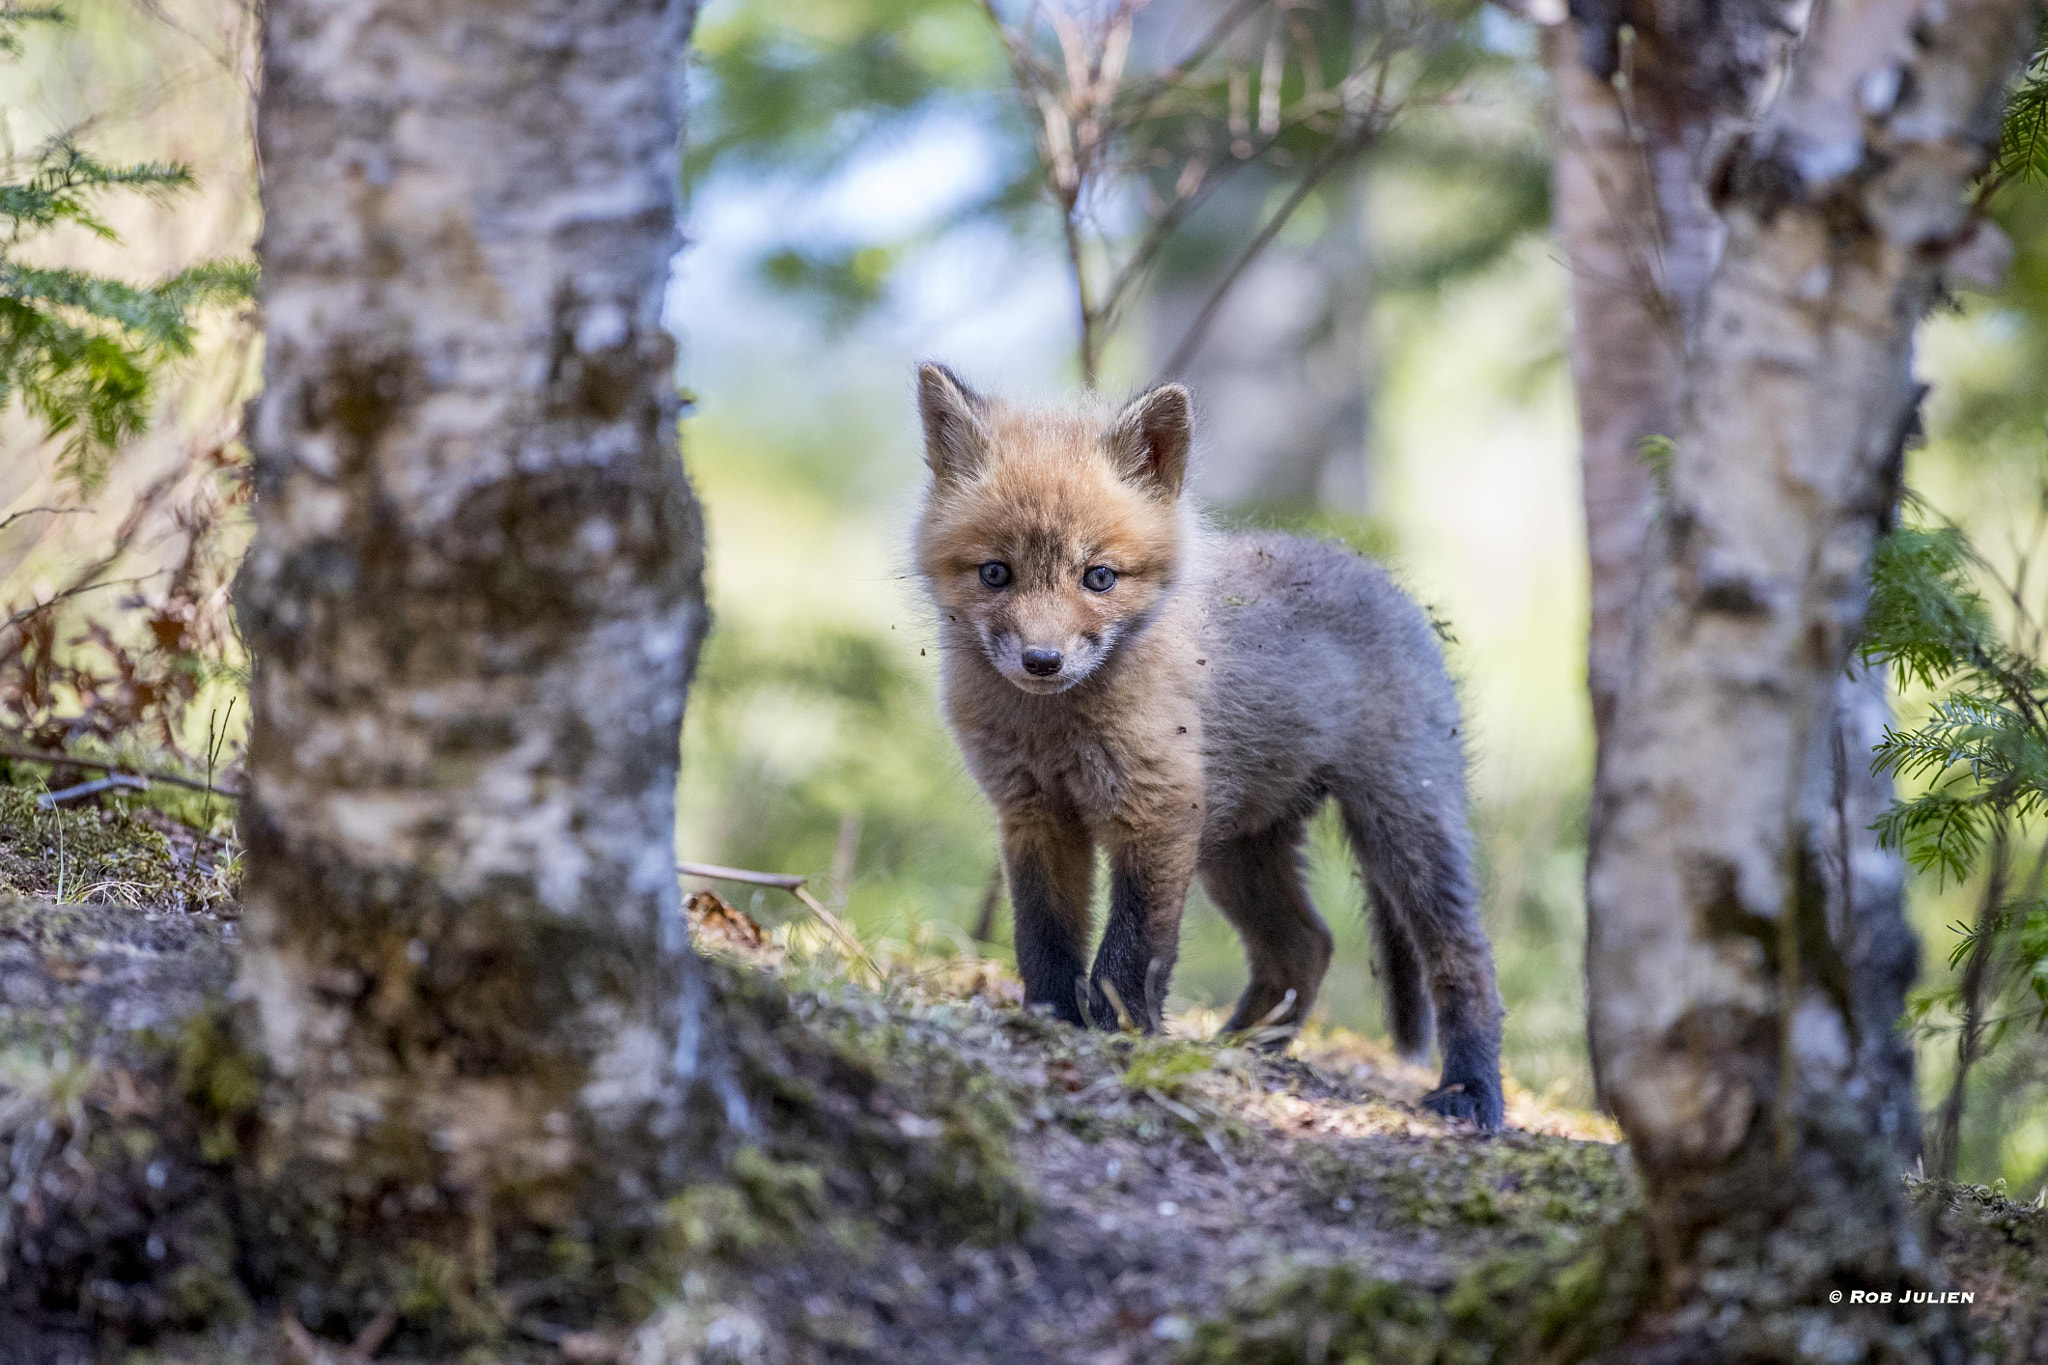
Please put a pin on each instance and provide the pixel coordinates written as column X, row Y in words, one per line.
column 1037, row 652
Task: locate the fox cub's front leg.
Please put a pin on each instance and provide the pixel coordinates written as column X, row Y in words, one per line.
column 1151, row 863
column 1051, row 865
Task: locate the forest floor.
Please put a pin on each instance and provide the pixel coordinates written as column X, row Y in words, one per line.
column 1117, row 1200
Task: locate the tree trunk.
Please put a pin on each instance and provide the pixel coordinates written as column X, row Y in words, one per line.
column 1733, row 1031
column 1645, row 113
column 475, row 599
column 1632, row 219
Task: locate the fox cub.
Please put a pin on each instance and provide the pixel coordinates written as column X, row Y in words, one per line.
column 1119, row 674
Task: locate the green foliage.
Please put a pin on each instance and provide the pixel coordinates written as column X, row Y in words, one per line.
column 798, row 740
column 1981, row 753
column 1654, row 453
column 815, row 80
column 2023, row 141
column 13, row 18
column 806, row 87
column 81, row 353
column 1975, row 764
column 1926, row 616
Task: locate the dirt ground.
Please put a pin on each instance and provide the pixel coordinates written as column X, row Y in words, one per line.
column 1164, row 1199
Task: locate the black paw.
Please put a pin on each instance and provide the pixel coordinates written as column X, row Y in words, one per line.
column 1476, row 1102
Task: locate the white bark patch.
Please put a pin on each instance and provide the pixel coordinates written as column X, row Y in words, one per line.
column 1820, row 1040
column 474, row 590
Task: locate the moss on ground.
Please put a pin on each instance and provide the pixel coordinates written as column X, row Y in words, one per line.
column 1566, row 1299
column 932, row 1173
column 132, row 1109
column 1580, row 1280
column 116, row 853
column 1520, row 1184
column 1997, row 1251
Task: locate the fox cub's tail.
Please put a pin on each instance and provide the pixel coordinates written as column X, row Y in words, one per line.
column 1416, row 861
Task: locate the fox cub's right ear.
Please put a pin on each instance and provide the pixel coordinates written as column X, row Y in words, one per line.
column 956, row 434
column 1152, row 435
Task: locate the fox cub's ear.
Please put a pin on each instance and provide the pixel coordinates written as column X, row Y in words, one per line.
column 956, row 435
column 1152, row 434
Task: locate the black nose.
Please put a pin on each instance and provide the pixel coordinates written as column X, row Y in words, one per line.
column 1041, row 663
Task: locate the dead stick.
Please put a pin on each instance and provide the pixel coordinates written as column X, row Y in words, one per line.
column 784, row 881
column 70, row 593
column 38, row 756
column 50, row 800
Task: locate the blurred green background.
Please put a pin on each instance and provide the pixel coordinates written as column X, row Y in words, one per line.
column 856, row 207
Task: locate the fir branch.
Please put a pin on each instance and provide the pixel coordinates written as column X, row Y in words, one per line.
column 15, row 17
column 2023, row 138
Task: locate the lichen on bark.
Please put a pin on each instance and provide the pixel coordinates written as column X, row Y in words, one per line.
column 1745, row 957
column 474, row 596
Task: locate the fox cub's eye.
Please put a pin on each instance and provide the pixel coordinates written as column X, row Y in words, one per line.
column 995, row 574
column 1101, row 578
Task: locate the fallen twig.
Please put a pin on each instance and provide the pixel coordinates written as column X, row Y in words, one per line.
column 175, row 779
column 712, row 871
column 784, row 881
column 49, row 800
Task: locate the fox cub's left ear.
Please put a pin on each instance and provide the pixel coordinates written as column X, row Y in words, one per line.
column 1152, row 434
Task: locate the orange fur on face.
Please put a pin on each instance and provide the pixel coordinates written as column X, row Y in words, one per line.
column 1050, row 496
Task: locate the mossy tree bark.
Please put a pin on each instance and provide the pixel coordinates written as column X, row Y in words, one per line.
column 1650, row 100
column 475, row 600
column 1740, row 1009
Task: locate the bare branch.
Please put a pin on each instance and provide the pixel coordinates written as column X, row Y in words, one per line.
column 1105, row 131
column 39, row 608
column 13, row 517
column 1198, row 330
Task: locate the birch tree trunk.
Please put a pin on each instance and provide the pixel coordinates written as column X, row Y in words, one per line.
column 1732, row 1028
column 474, row 599
column 1645, row 113
column 1631, row 215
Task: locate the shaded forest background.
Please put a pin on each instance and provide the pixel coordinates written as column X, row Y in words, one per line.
column 864, row 193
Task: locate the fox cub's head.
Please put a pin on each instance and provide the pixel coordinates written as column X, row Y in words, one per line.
column 1050, row 534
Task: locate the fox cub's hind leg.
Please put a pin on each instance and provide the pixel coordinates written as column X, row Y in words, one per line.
column 1051, row 865
column 1417, row 858
column 1256, row 881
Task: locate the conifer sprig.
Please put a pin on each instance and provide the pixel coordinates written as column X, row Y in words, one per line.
column 81, row 353
column 2023, row 141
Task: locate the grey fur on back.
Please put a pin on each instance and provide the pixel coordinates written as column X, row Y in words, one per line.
column 1330, row 683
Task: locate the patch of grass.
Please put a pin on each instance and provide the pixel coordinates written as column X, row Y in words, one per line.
column 105, row 854
column 1167, row 1065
